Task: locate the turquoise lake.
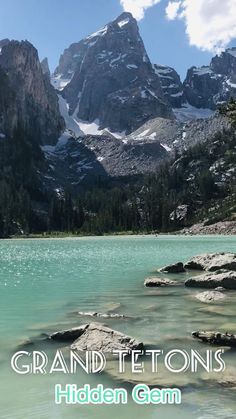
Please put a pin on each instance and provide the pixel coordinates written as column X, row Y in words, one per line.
column 44, row 282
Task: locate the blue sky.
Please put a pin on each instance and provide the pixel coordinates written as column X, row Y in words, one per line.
column 52, row 25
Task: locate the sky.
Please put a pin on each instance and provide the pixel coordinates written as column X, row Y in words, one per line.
column 178, row 33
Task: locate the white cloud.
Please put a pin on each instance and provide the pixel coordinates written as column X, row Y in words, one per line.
column 210, row 24
column 138, row 7
column 173, row 9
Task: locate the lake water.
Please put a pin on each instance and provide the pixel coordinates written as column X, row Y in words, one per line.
column 42, row 284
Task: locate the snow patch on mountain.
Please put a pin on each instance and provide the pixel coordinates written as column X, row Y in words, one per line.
column 123, row 22
column 58, row 82
column 101, row 32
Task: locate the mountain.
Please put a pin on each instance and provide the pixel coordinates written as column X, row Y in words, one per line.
column 209, row 86
column 171, row 85
column 107, row 78
column 27, row 97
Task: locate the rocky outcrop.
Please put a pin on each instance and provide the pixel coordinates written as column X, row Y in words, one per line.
column 212, row 262
column 216, row 338
column 221, row 278
column 27, row 98
column 3, row 42
column 98, row 337
column 45, row 67
column 180, row 214
column 111, row 79
column 171, row 85
column 173, row 269
column 210, row 296
column 158, row 282
column 209, row 86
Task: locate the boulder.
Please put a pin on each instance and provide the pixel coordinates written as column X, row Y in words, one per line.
column 158, row 282
column 212, row 262
column 69, row 335
column 210, row 296
column 216, row 338
column 98, row 337
column 221, row 278
column 174, row 268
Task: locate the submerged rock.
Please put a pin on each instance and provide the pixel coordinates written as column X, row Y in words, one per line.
column 212, row 262
column 216, row 338
column 69, row 335
column 162, row 378
column 101, row 315
column 221, row 278
column 174, row 269
column 210, row 296
column 112, row 306
column 97, row 337
column 158, row 282
column 223, row 311
column 226, row 378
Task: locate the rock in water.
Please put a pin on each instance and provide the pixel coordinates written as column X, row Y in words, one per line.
column 101, row 315
column 210, row 296
column 98, row 337
column 212, row 262
column 158, row 282
column 110, row 79
column 69, row 335
column 221, row 278
column 215, row 338
column 174, row 269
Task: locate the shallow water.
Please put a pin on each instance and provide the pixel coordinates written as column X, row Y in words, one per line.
column 42, row 282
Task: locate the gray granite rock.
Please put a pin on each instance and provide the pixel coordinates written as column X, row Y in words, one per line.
column 212, row 262
column 210, row 296
column 174, row 269
column 221, row 278
column 98, row 337
column 216, row 338
column 158, row 282
column 69, row 335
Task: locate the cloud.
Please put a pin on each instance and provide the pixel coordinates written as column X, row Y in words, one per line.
column 210, row 24
column 173, row 9
column 138, row 7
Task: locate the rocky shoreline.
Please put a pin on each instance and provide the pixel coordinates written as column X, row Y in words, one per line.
column 227, row 228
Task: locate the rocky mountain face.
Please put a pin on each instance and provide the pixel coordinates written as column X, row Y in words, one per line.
column 27, row 97
column 209, row 86
column 176, row 135
column 77, row 163
column 45, row 67
column 108, row 78
column 171, row 85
